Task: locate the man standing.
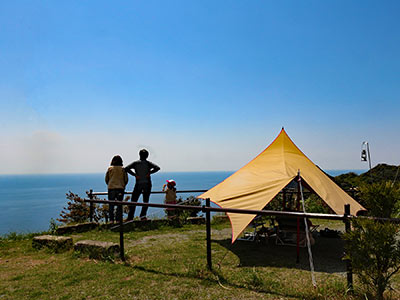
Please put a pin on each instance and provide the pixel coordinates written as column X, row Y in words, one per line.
column 142, row 170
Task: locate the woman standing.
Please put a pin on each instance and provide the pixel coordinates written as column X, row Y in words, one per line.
column 116, row 180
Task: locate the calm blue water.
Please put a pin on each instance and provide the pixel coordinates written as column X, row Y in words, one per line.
column 28, row 202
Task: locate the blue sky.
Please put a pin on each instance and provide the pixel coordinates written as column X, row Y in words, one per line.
column 204, row 85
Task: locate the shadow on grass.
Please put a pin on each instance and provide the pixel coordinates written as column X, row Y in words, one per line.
column 213, row 277
column 327, row 254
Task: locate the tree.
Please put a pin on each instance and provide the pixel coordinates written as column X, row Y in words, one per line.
column 78, row 211
column 372, row 245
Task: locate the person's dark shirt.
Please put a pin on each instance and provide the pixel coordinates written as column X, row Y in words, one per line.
column 142, row 170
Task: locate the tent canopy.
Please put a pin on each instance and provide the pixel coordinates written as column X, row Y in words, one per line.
column 258, row 182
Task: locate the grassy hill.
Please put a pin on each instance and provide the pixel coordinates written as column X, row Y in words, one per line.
column 170, row 263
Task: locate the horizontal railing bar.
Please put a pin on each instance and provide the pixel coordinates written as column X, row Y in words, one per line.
column 229, row 210
column 153, row 192
column 246, row 211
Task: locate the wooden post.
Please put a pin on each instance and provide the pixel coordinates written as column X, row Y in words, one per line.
column 121, row 233
column 208, row 234
column 349, row 269
column 91, row 206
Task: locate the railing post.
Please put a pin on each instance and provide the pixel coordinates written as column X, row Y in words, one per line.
column 91, row 206
column 349, row 268
column 298, row 220
column 121, row 232
column 208, row 233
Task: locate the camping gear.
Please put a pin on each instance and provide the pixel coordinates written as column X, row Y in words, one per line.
column 329, row 233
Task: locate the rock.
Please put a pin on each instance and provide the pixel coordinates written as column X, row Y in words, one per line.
column 76, row 228
column 56, row 243
column 96, row 249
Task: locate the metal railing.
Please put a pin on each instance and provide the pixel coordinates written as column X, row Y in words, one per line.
column 207, row 209
column 91, row 193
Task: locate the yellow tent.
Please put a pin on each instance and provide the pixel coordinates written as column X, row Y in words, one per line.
column 258, row 182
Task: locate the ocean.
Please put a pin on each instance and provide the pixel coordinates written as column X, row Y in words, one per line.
column 29, row 202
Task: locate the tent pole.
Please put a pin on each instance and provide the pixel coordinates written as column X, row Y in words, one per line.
column 298, row 220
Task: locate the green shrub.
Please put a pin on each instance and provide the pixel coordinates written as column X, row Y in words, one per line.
column 275, row 204
column 381, row 199
column 372, row 246
column 53, row 226
column 78, row 211
column 374, row 253
column 183, row 214
column 314, row 204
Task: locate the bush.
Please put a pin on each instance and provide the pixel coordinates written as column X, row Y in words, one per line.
column 374, row 253
column 372, row 245
column 381, row 199
column 183, row 214
column 78, row 211
column 53, row 226
column 276, row 203
column 314, row 204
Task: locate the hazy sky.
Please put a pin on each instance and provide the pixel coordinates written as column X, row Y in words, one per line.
column 203, row 85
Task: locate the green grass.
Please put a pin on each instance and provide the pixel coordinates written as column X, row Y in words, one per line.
column 170, row 263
